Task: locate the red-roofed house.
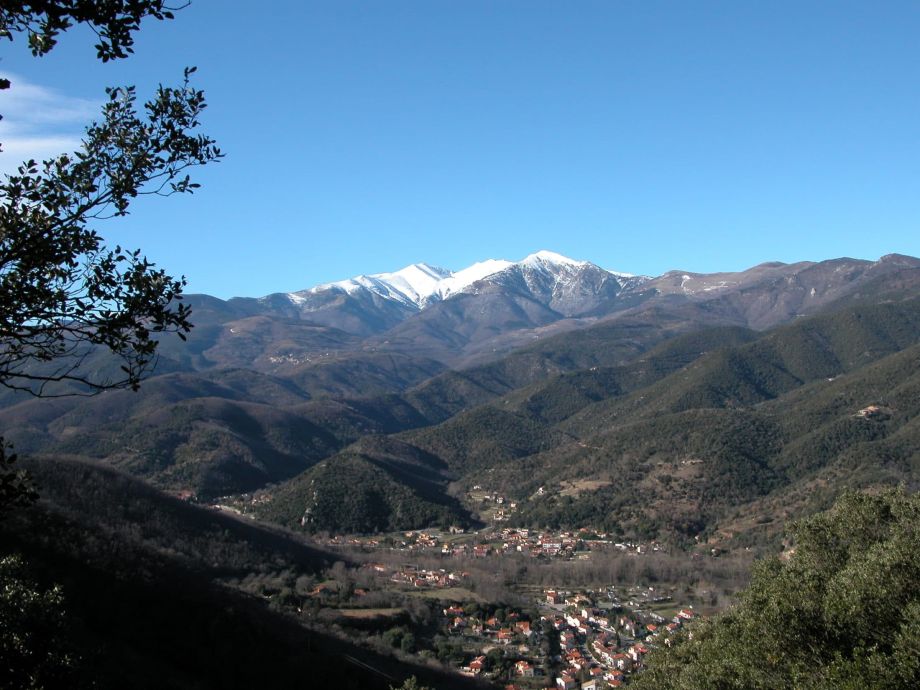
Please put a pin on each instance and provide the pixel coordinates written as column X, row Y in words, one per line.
column 524, row 668
column 566, row 682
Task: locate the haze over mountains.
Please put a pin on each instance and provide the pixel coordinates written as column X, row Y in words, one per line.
column 374, row 403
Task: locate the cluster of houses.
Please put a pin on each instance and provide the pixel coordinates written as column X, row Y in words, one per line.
column 580, row 659
column 598, row 647
column 513, row 634
column 423, row 541
column 563, row 544
column 601, row 645
column 491, row 629
column 502, row 508
column 498, row 542
column 408, row 574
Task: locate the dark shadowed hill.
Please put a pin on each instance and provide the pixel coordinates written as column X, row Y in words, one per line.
column 148, row 586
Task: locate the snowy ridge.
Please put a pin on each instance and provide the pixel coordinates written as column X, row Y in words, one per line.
column 412, row 285
column 421, row 284
column 459, row 281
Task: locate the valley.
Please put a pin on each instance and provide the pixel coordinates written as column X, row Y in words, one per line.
column 522, row 473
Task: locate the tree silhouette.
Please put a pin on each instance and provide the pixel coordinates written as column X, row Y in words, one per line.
column 63, row 293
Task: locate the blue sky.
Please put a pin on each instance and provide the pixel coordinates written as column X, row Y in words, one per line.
column 644, row 136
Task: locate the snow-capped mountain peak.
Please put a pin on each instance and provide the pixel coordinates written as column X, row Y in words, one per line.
column 419, row 285
column 548, row 258
column 412, row 285
column 417, row 282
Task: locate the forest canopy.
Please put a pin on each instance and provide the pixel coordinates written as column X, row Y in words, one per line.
column 841, row 610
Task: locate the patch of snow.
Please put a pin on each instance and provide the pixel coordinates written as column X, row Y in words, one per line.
column 411, row 285
column 462, row 279
column 417, row 282
column 543, row 257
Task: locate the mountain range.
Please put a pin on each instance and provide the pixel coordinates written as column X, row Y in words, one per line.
column 667, row 407
column 422, row 317
column 543, row 275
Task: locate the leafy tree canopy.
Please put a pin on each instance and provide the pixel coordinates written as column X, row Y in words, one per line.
column 63, row 292
column 34, row 643
column 843, row 611
column 16, row 490
column 113, row 21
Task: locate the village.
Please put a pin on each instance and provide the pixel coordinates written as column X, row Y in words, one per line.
column 496, row 538
column 569, row 638
column 584, row 640
column 496, row 541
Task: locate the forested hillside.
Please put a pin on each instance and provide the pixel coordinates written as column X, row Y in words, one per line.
column 663, row 423
column 837, row 610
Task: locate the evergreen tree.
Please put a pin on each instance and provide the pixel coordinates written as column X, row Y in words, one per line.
column 842, row 611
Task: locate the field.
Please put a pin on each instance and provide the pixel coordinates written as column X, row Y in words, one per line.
column 364, row 614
